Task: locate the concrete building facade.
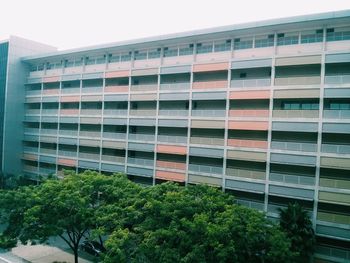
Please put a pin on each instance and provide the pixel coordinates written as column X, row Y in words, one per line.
column 261, row 110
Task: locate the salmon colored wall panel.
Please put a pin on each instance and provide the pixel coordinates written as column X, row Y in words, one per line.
column 117, row 74
column 247, row 143
column 210, row 67
column 171, row 165
column 51, row 91
column 28, row 156
column 249, row 113
column 67, row 162
column 172, row 176
column 247, row 95
column 248, row 125
column 51, row 79
column 219, row 84
column 172, row 149
column 116, row 88
column 70, row 98
column 69, row 111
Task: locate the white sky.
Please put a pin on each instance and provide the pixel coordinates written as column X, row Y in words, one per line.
column 76, row 23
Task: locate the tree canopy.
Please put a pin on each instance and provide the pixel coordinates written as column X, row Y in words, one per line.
column 162, row 223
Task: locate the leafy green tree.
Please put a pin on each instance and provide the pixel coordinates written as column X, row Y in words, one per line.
column 296, row 223
column 169, row 223
column 66, row 208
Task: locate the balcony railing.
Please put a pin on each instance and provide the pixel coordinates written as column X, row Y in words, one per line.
column 175, row 86
column 91, row 89
column 90, row 111
column 69, row 132
column 251, row 204
column 141, row 161
column 284, row 81
column 336, row 114
column 114, row 159
column 292, row 179
column 67, row 153
column 49, row 111
column 48, row 151
column 209, row 113
column 334, row 218
column 31, row 130
column 294, row 146
column 148, row 87
column 207, row 140
column 30, row 149
column 217, row 84
column 295, row 113
column 47, row 171
column 172, row 138
column 253, row 174
column 338, row 79
column 141, row 112
column 33, row 92
column 30, row 168
column 114, row 135
column 141, row 137
column 91, row 156
column 334, row 148
column 249, row 113
column 171, row 165
column 69, row 111
column 33, row 112
column 70, row 90
column 93, row 134
column 248, row 83
column 48, row 131
column 173, row 112
column 205, row 168
column 109, row 112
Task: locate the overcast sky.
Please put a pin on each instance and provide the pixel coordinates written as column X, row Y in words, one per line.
column 75, row 23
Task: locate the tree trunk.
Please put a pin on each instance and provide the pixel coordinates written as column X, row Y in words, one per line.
column 76, row 259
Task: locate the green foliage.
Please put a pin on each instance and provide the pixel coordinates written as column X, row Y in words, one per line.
column 168, row 223
column 296, row 223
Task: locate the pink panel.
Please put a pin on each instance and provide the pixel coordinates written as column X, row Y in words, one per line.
column 69, row 111
column 249, row 113
column 247, row 143
column 210, row 67
column 171, row 165
column 117, row 74
column 116, row 89
column 219, row 84
column 172, row 176
column 251, row 125
column 51, row 91
column 70, row 98
column 67, row 162
column 28, row 156
column 172, row 149
column 247, row 95
column 51, row 79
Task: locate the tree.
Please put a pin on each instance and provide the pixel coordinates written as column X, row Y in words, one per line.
column 169, row 223
column 296, row 223
column 66, row 208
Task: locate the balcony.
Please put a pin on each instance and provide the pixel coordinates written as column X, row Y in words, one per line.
column 171, row 165
column 250, row 83
column 49, row 111
column 145, row 112
column 218, row 84
column 294, row 146
column 31, row 130
column 335, row 183
column 336, row 114
column 141, row 161
column 116, row 88
column 36, row 92
column 90, row 156
column 70, row 90
column 114, row 135
column 295, row 113
column 292, row 178
column 209, row 113
column 48, row 131
column 91, row 112
column 28, row 149
column 246, row 173
column 334, row 148
column 32, row 112
column 66, row 153
column 207, row 140
column 337, row 79
column 205, row 168
column 247, row 143
column 92, row 134
column 172, row 138
column 67, row 132
column 258, row 113
column 115, row 112
column 174, row 113
column 48, row 151
column 175, row 86
column 113, row 159
column 145, row 87
column 141, row 137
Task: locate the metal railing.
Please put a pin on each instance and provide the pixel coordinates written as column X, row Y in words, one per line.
column 141, row 161
column 175, row 86
column 173, row 112
column 246, row 83
column 209, row 113
column 205, row 168
column 294, row 146
column 172, row 138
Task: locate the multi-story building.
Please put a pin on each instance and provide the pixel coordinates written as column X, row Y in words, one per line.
column 261, row 110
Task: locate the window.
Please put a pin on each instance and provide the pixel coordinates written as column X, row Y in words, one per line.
column 154, row 53
column 311, row 37
column 242, row 44
column 264, row 41
column 283, row 39
column 140, row 55
column 125, row 56
column 226, row 46
column 339, row 106
column 113, row 58
column 170, row 52
column 295, row 105
column 206, row 48
column 242, row 75
column 338, row 35
column 183, row 51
